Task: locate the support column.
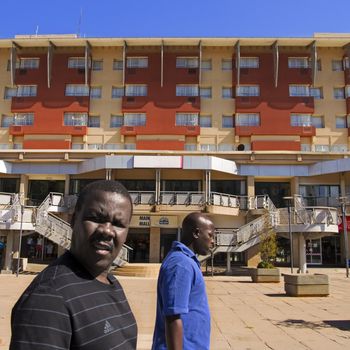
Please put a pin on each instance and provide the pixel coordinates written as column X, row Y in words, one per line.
column 207, row 186
column 108, row 174
column 250, row 186
column 154, row 245
column 9, row 252
column 157, row 199
column 23, row 189
column 294, row 186
column 342, row 185
column 302, row 253
column 228, row 263
column 66, row 185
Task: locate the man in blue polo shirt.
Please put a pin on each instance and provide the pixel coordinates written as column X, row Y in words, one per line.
column 183, row 317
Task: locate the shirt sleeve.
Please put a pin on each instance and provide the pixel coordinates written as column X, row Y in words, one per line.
column 175, row 290
column 40, row 320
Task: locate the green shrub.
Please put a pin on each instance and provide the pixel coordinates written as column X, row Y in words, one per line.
column 268, row 250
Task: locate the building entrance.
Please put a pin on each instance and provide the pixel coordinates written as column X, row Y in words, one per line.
column 331, row 250
column 314, row 251
column 275, row 190
column 138, row 240
column 167, row 236
column 39, row 189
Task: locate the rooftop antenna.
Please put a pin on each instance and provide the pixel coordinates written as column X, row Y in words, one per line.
column 80, row 20
column 37, row 30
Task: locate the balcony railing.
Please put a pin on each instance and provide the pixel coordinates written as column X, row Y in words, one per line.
column 143, row 198
column 181, row 198
column 224, row 200
column 321, row 201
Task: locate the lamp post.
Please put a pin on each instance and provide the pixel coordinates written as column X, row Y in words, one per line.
column 289, row 202
column 343, row 201
column 20, row 240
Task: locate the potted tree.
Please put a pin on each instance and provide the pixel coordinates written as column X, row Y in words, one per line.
column 266, row 270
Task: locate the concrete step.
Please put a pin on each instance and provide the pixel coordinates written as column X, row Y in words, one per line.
column 138, row 270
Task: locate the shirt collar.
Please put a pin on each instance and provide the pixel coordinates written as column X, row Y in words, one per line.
column 176, row 245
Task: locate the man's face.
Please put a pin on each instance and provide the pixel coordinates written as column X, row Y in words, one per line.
column 100, row 228
column 205, row 238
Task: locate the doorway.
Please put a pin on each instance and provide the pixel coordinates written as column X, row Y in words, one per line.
column 167, row 237
column 39, row 189
column 314, row 251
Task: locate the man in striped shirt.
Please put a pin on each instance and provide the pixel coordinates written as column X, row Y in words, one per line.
column 75, row 303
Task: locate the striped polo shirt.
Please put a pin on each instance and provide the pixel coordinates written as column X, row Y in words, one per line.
column 66, row 308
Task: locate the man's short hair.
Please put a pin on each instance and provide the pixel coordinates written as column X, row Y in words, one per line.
column 105, row 186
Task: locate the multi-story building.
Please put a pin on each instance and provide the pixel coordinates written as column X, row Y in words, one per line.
column 187, row 124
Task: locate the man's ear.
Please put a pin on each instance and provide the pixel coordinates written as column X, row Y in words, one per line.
column 196, row 233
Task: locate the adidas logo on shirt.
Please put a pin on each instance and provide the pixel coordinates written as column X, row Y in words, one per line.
column 108, row 328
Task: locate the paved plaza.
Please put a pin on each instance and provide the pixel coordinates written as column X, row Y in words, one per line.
column 245, row 315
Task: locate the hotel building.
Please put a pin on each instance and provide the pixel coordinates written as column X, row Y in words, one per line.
column 186, row 124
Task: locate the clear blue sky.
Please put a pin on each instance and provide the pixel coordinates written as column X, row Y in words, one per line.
column 175, row 18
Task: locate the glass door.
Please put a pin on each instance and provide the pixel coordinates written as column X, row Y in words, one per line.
column 314, row 251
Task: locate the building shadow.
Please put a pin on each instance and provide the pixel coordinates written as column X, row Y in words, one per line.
column 343, row 325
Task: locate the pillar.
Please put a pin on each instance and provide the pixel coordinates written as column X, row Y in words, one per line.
column 158, row 187
column 302, row 253
column 154, row 245
column 228, row 262
column 253, row 256
column 23, row 188
column 66, row 185
column 250, row 186
column 9, row 252
column 294, row 186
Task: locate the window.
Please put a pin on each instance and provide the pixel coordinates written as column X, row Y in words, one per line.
column 118, row 64
column 347, row 91
column 6, row 121
column 297, row 119
column 316, row 92
column 247, row 119
column 190, row 147
column 28, row 63
column 186, row 119
column 298, row 62
column 337, row 65
column 339, row 93
column 340, row 122
column 77, row 90
column 18, row 145
column 225, row 147
column 248, row 90
column 135, row 119
column 96, row 146
column 339, row 148
column 75, row 119
column 26, row 90
column 249, row 62
column 24, row 119
column 226, row 92
column 205, row 92
column 77, row 146
column 317, row 121
column 112, row 146
column 227, row 121
column 136, row 90
column 137, row 62
column 129, row 146
column 10, row 92
column 206, row 64
column 76, row 62
column 95, row 92
column 116, row 121
column 97, row 65
column 346, row 63
column 299, row 90
column 208, row 147
column 117, row 91
column 226, row 64
column 4, row 146
column 186, row 62
column 322, row 148
column 305, row 147
column 205, row 121
column 94, row 121
column 186, row 90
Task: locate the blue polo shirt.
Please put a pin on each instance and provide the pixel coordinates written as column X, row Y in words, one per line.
column 181, row 291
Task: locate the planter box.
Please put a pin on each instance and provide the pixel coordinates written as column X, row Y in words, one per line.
column 303, row 285
column 265, row 275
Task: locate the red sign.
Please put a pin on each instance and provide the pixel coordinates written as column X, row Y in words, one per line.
column 340, row 226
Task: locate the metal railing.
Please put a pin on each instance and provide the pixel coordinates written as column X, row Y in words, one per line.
column 224, row 200
column 143, row 197
column 181, row 198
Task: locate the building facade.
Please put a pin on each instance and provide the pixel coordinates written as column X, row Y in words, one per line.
column 187, row 124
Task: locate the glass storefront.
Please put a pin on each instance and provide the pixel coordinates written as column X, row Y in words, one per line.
column 167, row 236
column 138, row 240
column 275, row 190
column 39, row 189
